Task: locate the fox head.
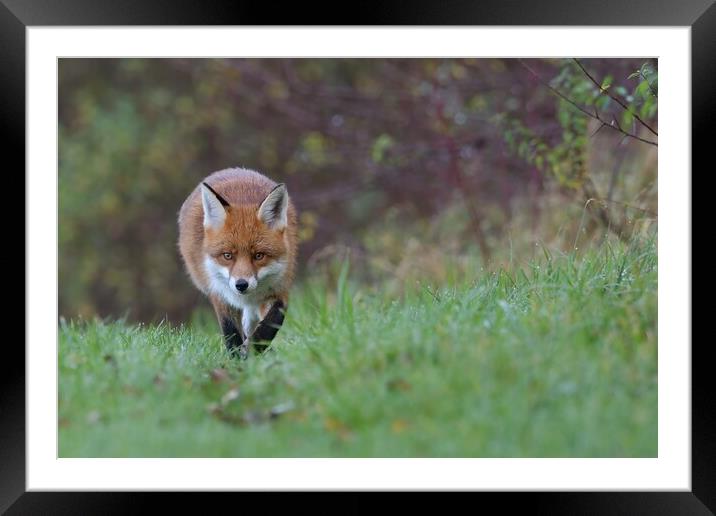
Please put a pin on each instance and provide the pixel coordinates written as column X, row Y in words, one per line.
column 245, row 246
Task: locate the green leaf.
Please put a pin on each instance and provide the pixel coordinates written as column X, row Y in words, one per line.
column 627, row 119
column 642, row 90
column 522, row 149
column 603, row 102
column 509, row 138
column 644, row 110
column 380, row 147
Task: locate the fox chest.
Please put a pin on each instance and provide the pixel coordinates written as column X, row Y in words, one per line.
column 250, row 317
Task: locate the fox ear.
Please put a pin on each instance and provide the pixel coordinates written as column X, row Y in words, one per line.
column 214, row 207
column 273, row 210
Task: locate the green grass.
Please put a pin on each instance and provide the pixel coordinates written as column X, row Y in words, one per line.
column 553, row 359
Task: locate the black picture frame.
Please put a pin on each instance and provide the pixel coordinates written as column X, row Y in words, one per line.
column 17, row 15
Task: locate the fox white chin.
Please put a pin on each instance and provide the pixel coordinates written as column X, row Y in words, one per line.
column 260, row 286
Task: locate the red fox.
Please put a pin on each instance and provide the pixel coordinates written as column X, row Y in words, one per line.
column 237, row 237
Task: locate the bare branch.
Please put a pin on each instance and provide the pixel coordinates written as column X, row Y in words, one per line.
column 615, row 99
column 580, row 108
column 602, row 125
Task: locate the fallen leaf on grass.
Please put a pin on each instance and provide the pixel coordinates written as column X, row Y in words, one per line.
column 398, row 426
column 299, row 416
column 231, row 395
column 222, row 411
column 217, row 410
column 280, row 409
column 219, row 375
column 399, row 384
column 337, row 426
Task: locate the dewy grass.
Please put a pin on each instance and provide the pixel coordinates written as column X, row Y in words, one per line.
column 554, row 359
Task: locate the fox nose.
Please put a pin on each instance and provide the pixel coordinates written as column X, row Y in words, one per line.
column 242, row 285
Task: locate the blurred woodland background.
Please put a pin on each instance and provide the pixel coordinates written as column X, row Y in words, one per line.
column 419, row 170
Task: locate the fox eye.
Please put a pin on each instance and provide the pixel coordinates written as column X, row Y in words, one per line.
column 258, row 256
column 227, row 256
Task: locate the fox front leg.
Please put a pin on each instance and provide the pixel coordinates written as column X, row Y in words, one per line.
column 233, row 335
column 268, row 327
